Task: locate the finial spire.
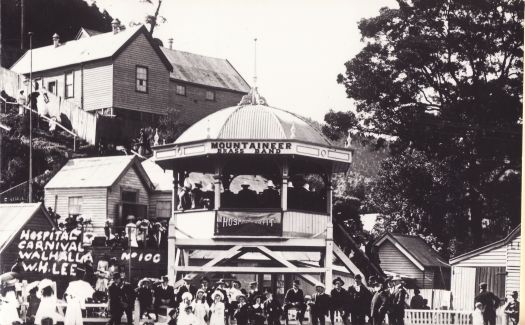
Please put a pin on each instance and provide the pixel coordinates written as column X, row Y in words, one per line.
column 255, row 62
column 253, row 97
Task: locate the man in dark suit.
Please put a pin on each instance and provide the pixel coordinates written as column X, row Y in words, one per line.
column 294, row 298
column 270, row 197
column 398, row 300
column 115, row 304
column 164, row 295
column 360, row 299
column 379, row 304
column 128, row 300
column 242, row 311
column 490, row 303
column 340, row 301
column 319, row 306
column 246, row 198
column 272, row 309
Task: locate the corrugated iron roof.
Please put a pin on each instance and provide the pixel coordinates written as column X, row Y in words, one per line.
column 90, row 172
column 419, row 249
column 13, row 217
column 85, row 49
column 205, row 70
column 259, row 122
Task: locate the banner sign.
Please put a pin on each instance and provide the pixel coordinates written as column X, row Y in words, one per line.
column 247, row 147
column 51, row 252
column 238, row 223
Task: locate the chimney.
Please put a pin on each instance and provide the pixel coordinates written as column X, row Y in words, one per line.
column 115, row 24
column 56, row 40
column 170, row 42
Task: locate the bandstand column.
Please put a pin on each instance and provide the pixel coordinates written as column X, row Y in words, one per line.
column 284, row 186
column 329, row 237
column 217, row 188
column 171, row 228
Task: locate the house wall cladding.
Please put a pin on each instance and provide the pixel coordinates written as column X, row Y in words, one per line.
column 129, row 181
column 495, row 257
column 93, row 204
column 392, row 260
column 194, row 105
column 512, row 282
column 140, row 52
column 98, row 85
column 154, row 198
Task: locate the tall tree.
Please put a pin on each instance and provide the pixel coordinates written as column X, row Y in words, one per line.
column 444, row 79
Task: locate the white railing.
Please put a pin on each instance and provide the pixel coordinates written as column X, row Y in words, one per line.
column 437, row 317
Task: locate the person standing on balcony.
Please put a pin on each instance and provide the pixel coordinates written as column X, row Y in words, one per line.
column 339, row 303
column 246, row 198
column 22, row 101
column 270, row 196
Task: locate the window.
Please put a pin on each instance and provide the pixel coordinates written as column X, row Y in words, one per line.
column 52, row 87
column 75, row 205
column 180, row 90
column 69, row 89
column 129, row 196
column 163, row 209
column 210, row 95
column 141, row 79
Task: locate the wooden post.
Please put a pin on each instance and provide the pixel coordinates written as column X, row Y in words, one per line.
column 172, row 249
column 174, row 193
column 329, row 235
column 217, row 187
column 284, row 187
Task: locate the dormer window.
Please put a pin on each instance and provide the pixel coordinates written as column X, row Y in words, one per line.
column 141, row 79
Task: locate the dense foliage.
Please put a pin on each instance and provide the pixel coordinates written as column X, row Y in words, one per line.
column 443, row 81
column 45, row 18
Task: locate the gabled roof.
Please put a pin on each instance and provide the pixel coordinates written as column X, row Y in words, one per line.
column 502, row 242
column 86, row 32
column 14, row 216
column 415, row 249
column 97, row 172
column 96, row 47
column 205, row 70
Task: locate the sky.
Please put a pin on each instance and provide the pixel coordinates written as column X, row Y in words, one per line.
column 302, row 45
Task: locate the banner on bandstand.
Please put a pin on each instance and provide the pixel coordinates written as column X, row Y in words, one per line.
column 237, row 223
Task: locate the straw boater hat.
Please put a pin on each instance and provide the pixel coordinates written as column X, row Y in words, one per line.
column 340, row 280
column 270, row 184
column 187, row 295
column 187, row 277
column 217, row 293
column 200, row 290
column 319, row 284
column 245, row 184
column 221, row 281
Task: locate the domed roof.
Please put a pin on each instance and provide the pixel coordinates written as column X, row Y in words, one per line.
column 253, row 122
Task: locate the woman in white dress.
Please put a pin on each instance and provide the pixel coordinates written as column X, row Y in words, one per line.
column 217, row 309
column 201, row 308
column 9, row 304
column 186, row 301
column 76, row 294
column 103, row 274
column 48, row 307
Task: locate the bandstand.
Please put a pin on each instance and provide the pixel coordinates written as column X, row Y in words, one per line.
column 255, row 139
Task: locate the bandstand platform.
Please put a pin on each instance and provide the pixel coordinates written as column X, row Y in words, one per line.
column 260, row 237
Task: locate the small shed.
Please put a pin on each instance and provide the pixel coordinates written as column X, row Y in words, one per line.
column 412, row 258
column 100, row 189
column 497, row 264
column 14, row 219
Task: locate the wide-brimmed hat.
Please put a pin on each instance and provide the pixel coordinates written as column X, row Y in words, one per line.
column 340, row 280
column 187, row 277
column 240, row 296
column 217, row 293
column 200, row 290
column 130, row 217
column 237, row 281
column 270, row 183
column 187, row 295
column 245, row 184
column 319, row 284
column 221, row 281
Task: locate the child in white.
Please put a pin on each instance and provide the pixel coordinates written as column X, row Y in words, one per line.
column 187, row 317
column 200, row 307
column 477, row 315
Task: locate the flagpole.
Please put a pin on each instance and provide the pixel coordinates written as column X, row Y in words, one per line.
column 30, row 181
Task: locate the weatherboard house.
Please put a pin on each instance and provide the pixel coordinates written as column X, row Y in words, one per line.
column 243, row 236
column 411, row 258
column 497, row 264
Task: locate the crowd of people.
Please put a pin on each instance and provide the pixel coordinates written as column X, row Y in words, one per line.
column 222, row 303
column 193, row 196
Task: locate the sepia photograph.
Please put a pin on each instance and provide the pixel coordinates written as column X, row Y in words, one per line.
column 261, row 162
